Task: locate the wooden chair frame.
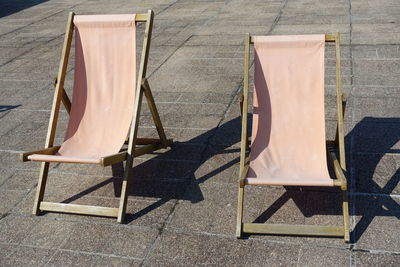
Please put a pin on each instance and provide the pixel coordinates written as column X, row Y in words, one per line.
column 339, row 165
column 147, row 145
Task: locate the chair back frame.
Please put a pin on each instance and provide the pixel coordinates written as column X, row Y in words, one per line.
column 149, row 145
column 339, row 165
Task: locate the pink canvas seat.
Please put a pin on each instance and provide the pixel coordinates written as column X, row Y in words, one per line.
column 288, row 135
column 104, row 89
column 288, row 145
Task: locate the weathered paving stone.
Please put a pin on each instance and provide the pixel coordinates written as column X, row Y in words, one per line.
column 27, row 256
column 377, row 173
column 20, row 180
column 182, row 249
column 220, row 164
column 13, row 229
column 10, row 198
column 380, row 72
column 68, row 258
column 318, row 256
column 48, row 234
column 376, row 217
column 379, row 108
column 376, row 258
column 110, row 239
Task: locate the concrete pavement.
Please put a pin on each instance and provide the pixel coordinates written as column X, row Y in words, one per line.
column 182, row 204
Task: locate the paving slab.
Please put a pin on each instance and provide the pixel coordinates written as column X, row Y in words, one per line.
column 110, row 240
column 181, row 249
column 27, row 256
column 377, row 173
column 375, row 219
column 73, row 258
column 383, row 259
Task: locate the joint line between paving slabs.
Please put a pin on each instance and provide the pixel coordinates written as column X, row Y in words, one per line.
column 352, row 258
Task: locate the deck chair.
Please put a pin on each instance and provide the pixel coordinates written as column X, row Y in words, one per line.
column 105, row 105
column 288, row 145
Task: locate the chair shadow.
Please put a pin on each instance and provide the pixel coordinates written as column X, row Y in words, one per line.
column 4, row 108
column 168, row 189
column 379, row 204
column 165, row 179
column 155, row 178
column 378, row 135
column 11, row 7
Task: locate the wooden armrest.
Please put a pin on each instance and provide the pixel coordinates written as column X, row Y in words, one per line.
column 338, row 170
column 112, row 159
column 150, row 145
column 47, row 151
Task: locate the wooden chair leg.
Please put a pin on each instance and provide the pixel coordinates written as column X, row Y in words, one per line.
column 239, row 222
column 125, row 190
column 44, row 170
column 123, row 201
column 346, row 217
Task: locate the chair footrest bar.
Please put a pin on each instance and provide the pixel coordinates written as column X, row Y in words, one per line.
column 79, row 209
column 286, row 229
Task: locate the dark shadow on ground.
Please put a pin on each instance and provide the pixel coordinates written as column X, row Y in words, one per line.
column 9, row 7
column 370, row 134
column 157, row 177
column 378, row 135
column 165, row 179
column 8, row 107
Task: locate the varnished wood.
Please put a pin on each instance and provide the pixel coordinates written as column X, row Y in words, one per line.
column 54, row 111
column 60, row 82
column 47, row 151
column 244, row 137
column 113, row 159
column 154, row 112
column 344, row 103
column 79, row 209
column 139, row 151
column 245, row 103
column 287, row 229
column 346, row 216
column 146, row 141
column 338, row 170
column 339, row 103
column 147, row 145
column 135, row 117
column 66, row 102
column 331, row 37
column 328, row 38
column 142, row 17
column 244, row 172
column 239, row 218
column 65, row 99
